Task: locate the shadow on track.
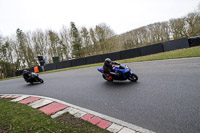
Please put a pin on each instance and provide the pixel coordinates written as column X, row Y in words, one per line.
column 120, row 84
column 34, row 84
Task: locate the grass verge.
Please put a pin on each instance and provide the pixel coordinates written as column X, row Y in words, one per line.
column 18, row 118
column 181, row 53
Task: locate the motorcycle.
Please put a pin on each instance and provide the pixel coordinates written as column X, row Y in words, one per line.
column 32, row 77
column 124, row 73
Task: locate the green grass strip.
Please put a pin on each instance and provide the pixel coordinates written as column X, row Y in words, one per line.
column 181, row 53
column 20, row 118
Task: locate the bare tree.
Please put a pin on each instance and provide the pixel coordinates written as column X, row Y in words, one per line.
column 65, row 43
column 178, row 28
column 94, row 42
column 40, row 43
column 24, row 50
column 86, row 40
column 53, row 42
column 193, row 20
column 103, row 33
column 77, row 51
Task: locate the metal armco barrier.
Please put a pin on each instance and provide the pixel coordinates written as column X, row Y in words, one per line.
column 112, row 56
column 94, row 59
column 49, row 67
column 176, row 44
column 194, row 41
column 152, row 49
column 63, row 64
column 131, row 53
column 78, row 62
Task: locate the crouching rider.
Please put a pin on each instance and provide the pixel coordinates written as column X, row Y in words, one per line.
column 108, row 68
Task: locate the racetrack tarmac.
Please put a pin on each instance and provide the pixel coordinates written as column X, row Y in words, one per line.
column 165, row 99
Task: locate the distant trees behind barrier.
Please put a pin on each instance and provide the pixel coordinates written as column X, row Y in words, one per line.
column 20, row 50
column 187, row 26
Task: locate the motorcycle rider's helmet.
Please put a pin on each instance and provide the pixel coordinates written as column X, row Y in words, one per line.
column 108, row 61
column 25, row 71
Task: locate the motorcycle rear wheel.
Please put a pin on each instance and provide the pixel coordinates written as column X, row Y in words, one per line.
column 133, row 77
column 106, row 77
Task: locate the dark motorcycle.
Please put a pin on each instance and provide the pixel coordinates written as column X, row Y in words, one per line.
column 31, row 77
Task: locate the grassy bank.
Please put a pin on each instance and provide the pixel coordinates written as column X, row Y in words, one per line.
column 20, row 118
column 181, row 53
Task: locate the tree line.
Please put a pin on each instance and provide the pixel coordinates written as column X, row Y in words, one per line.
column 21, row 50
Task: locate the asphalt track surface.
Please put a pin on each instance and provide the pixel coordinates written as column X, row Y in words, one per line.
column 166, row 98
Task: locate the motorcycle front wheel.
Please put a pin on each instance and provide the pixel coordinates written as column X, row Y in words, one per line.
column 41, row 81
column 133, row 77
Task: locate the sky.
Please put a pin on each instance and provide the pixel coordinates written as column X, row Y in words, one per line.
column 120, row 15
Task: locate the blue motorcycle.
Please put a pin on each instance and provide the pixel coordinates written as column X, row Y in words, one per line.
column 124, row 73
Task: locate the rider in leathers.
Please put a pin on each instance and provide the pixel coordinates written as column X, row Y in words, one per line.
column 107, row 68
